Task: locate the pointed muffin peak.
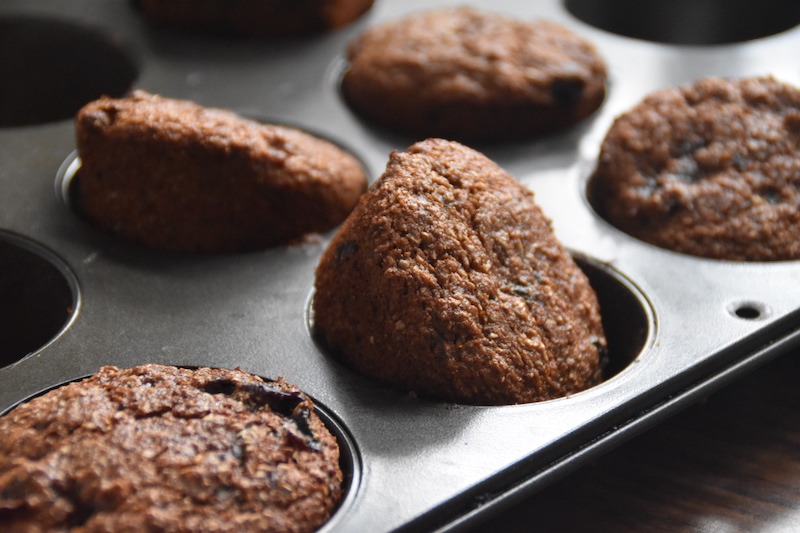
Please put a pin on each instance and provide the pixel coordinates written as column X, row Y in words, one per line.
column 447, row 280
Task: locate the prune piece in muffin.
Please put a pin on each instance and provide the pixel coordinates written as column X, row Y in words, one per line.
column 447, row 280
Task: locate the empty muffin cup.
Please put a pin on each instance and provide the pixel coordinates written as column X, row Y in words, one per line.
column 54, row 67
column 38, row 297
column 697, row 22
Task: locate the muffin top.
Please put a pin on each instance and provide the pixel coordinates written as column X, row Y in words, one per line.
column 168, row 449
column 447, row 280
column 468, row 53
column 283, row 156
column 413, row 72
column 174, row 175
column 710, row 169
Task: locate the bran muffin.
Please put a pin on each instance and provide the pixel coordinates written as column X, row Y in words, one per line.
column 447, row 280
column 466, row 74
column 254, row 18
column 173, row 175
column 710, row 169
column 160, row 448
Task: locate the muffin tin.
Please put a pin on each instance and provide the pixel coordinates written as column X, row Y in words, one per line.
column 74, row 299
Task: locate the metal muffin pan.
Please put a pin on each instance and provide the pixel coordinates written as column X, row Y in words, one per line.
column 678, row 326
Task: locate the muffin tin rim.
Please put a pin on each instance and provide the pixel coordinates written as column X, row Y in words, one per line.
column 67, row 273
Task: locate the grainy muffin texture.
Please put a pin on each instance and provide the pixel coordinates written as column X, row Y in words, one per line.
column 173, row 175
column 158, row 448
column 710, row 169
column 466, row 74
column 254, row 18
column 447, row 280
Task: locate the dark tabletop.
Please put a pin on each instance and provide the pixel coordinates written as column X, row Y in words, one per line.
column 728, row 464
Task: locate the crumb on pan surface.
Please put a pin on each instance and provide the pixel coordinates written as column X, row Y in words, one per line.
column 160, row 448
column 447, row 280
column 174, row 175
column 710, row 169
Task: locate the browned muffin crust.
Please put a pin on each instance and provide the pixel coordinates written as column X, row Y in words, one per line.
column 254, row 18
column 172, row 175
column 447, row 280
column 710, row 169
column 158, row 448
column 470, row 75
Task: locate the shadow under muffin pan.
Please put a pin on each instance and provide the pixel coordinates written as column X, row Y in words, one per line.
column 679, row 327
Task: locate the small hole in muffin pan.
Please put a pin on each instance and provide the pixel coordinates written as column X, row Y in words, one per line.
column 700, row 22
column 749, row 310
column 53, row 68
column 38, row 297
column 349, row 458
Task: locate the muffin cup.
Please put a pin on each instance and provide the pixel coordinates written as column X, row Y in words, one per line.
column 39, row 297
column 58, row 66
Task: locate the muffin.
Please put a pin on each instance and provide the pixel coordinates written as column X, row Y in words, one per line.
column 159, row 448
column 710, row 169
column 446, row 280
column 173, row 175
column 466, row 74
column 254, row 18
